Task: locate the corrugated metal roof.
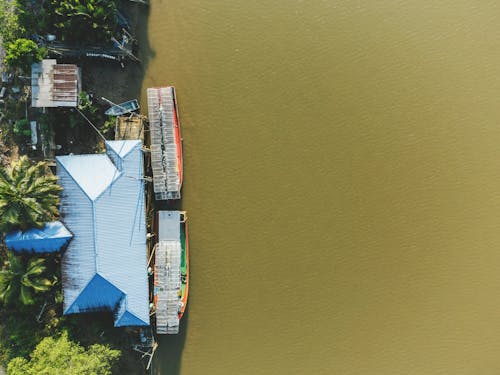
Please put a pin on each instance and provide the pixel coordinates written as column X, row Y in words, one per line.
column 103, row 204
column 54, row 85
column 52, row 237
column 82, row 168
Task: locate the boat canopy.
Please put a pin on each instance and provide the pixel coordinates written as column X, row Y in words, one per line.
column 166, row 145
column 168, row 257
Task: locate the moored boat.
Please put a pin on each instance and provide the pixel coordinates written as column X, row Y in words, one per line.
column 171, row 276
column 123, row 108
column 166, row 143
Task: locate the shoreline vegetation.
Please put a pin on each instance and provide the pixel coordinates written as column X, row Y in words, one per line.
column 31, row 322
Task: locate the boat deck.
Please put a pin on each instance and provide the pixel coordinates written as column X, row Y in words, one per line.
column 166, row 152
column 169, row 266
column 167, row 286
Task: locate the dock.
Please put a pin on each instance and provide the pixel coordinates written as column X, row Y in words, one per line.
column 129, row 127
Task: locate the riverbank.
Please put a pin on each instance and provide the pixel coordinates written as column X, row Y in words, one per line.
column 112, row 80
column 109, row 80
column 22, row 327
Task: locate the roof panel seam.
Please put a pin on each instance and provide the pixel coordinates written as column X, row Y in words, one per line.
column 71, row 176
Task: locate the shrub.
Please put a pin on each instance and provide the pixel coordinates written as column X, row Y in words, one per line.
column 22, row 128
column 62, row 356
column 22, row 53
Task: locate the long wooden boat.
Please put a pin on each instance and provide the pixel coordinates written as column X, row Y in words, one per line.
column 166, row 142
column 171, row 276
column 123, row 108
column 184, row 266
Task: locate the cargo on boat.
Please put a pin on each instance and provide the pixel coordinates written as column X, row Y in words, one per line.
column 171, row 272
column 166, row 143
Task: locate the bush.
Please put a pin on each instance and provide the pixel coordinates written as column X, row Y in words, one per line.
column 22, row 128
column 22, row 53
column 10, row 27
column 61, row 356
column 84, row 21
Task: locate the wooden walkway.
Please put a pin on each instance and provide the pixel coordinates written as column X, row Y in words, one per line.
column 128, row 127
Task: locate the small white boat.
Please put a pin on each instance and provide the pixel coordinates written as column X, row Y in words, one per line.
column 123, row 108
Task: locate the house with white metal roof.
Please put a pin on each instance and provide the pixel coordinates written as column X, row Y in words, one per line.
column 103, row 205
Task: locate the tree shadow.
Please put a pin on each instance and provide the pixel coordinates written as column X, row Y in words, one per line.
column 121, row 82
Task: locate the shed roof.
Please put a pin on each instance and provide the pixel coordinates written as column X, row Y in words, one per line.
column 54, row 85
column 51, row 238
column 103, row 205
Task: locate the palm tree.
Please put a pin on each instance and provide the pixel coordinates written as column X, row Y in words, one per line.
column 18, row 280
column 28, row 195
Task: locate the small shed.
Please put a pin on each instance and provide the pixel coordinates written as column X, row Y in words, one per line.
column 49, row 239
column 55, row 85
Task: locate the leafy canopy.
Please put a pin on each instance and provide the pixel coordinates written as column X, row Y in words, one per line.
column 21, row 53
column 83, row 21
column 10, row 28
column 29, row 195
column 18, row 279
column 60, row 356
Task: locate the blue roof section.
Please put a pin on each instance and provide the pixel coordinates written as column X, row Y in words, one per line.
column 103, row 204
column 51, row 238
column 128, row 319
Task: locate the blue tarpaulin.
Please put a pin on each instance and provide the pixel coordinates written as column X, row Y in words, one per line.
column 51, row 238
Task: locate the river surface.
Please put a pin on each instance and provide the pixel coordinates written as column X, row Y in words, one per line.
column 342, row 179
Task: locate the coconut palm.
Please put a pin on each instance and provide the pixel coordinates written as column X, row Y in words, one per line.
column 19, row 280
column 29, row 195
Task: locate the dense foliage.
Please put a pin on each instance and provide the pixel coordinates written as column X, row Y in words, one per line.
column 10, row 27
column 29, row 195
column 75, row 21
column 21, row 53
column 20, row 278
column 58, row 356
column 83, row 20
column 22, row 128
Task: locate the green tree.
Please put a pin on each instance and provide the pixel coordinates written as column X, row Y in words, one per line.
column 10, row 28
column 60, row 356
column 29, row 195
column 21, row 53
column 84, row 20
column 18, row 280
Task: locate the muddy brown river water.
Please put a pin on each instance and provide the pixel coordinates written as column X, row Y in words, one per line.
column 342, row 181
